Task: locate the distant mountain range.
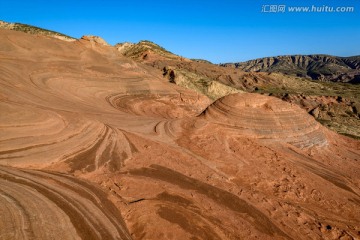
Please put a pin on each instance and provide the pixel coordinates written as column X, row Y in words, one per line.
column 316, row 67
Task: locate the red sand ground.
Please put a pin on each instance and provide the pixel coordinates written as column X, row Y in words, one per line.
column 96, row 146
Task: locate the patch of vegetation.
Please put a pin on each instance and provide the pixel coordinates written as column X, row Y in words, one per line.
column 137, row 50
column 350, row 135
column 36, row 30
column 200, row 60
column 315, row 88
column 154, row 46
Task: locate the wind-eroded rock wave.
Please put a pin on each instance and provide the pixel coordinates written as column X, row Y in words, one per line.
column 161, row 106
column 44, row 205
column 267, row 118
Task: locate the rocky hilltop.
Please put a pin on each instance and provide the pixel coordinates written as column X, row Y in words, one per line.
column 94, row 40
column 144, row 50
column 317, row 67
column 34, row 30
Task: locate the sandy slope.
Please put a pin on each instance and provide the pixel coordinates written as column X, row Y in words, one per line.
column 173, row 165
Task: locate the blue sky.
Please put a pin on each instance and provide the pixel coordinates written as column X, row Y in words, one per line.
column 219, row 31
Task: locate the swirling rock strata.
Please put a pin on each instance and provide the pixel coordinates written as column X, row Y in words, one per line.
column 44, row 205
column 118, row 137
column 266, row 117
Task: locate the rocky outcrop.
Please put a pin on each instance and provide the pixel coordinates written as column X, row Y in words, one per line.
column 123, row 47
column 95, row 39
column 6, row 25
column 145, row 50
column 197, row 82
